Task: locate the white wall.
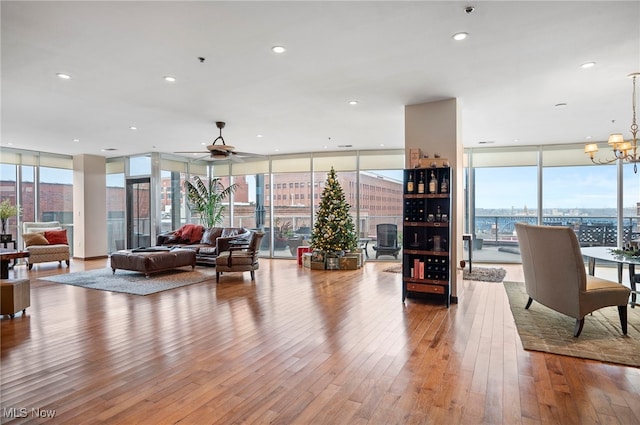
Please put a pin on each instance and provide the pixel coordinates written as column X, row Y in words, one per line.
column 89, row 207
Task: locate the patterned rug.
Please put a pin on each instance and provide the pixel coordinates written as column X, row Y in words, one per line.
column 487, row 274
column 543, row 329
column 133, row 282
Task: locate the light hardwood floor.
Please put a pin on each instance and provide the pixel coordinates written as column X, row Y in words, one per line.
column 296, row 347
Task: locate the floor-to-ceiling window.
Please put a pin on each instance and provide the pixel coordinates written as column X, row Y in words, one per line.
column 552, row 185
column 55, row 196
column 41, row 184
column 579, row 194
column 173, row 210
column 379, row 195
column 291, row 190
column 503, row 190
column 251, row 200
column 116, row 225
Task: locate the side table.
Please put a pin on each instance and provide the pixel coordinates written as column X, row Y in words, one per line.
column 467, row 237
column 5, row 256
column 15, row 247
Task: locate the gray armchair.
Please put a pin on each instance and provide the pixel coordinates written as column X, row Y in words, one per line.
column 555, row 276
column 387, row 240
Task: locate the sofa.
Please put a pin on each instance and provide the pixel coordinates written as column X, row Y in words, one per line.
column 45, row 241
column 206, row 242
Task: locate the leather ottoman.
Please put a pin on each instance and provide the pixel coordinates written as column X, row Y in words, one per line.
column 151, row 261
column 15, row 295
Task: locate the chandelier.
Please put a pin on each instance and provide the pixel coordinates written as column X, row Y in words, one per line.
column 626, row 151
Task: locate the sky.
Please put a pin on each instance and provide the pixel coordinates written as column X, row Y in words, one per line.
column 564, row 187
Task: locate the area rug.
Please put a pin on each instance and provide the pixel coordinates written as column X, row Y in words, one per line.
column 397, row 268
column 134, row 283
column 487, row 274
column 543, row 329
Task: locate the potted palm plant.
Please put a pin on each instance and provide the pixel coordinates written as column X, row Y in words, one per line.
column 207, row 200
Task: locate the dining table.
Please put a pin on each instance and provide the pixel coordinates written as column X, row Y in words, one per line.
column 604, row 253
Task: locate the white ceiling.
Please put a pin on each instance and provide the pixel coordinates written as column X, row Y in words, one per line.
column 521, row 59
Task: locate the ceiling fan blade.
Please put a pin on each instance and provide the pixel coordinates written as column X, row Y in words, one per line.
column 235, row 158
column 249, row 154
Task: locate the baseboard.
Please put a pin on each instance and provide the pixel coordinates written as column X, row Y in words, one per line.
column 99, row 257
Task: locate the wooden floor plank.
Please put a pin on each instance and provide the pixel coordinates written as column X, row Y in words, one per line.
column 295, row 346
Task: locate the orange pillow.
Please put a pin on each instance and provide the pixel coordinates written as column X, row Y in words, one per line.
column 31, row 239
column 56, row 237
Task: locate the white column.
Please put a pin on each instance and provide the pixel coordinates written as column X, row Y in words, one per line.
column 435, row 127
column 89, row 207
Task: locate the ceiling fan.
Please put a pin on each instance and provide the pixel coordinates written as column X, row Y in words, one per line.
column 222, row 151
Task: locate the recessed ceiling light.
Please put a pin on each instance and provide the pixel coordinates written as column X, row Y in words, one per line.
column 133, row 127
column 170, row 79
column 588, row 65
column 258, row 136
column 63, row 76
column 381, row 144
column 460, row 36
column 516, row 140
column 76, row 140
column 278, row 49
column 277, row 150
column 588, row 137
column 560, row 105
column 353, row 102
column 109, row 149
column 204, row 143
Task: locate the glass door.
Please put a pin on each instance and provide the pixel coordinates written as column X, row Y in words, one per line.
column 138, row 212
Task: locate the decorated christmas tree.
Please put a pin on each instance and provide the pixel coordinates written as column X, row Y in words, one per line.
column 333, row 229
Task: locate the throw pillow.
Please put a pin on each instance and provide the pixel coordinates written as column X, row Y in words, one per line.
column 227, row 232
column 57, row 237
column 210, row 235
column 34, row 239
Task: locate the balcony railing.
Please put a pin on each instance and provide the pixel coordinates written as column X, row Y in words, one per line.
column 591, row 231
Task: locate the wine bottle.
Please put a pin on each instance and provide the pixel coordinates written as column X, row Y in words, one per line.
column 421, row 183
column 410, row 183
column 444, row 185
column 433, row 184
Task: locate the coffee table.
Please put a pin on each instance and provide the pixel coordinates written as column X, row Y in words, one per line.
column 604, row 253
column 6, row 255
